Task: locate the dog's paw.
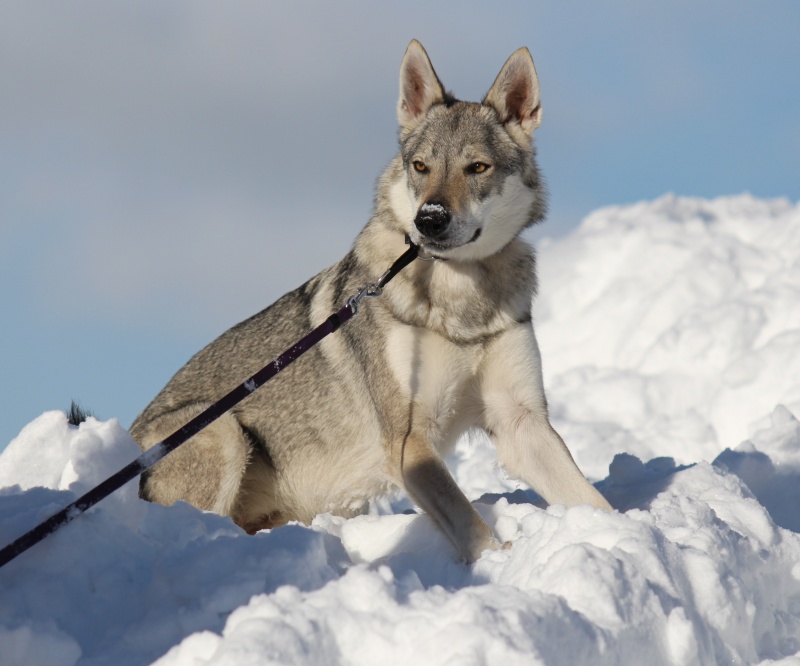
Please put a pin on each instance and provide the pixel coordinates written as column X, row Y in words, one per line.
column 490, row 544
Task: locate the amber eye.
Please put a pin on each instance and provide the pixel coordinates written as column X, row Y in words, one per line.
column 478, row 167
column 419, row 166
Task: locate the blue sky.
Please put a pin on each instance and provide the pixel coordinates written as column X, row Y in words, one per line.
column 167, row 169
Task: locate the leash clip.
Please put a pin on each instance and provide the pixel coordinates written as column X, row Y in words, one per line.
column 375, row 289
column 370, row 291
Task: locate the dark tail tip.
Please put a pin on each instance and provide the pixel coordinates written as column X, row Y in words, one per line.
column 77, row 414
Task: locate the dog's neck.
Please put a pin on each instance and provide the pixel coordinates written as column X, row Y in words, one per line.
column 461, row 300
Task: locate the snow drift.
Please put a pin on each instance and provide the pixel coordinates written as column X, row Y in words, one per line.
column 670, row 333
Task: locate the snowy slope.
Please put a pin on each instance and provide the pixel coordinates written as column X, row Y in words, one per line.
column 672, row 327
column 670, row 332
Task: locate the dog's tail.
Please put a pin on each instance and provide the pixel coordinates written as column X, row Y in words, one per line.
column 77, row 414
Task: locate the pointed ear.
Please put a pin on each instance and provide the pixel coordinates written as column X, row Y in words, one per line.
column 515, row 93
column 420, row 88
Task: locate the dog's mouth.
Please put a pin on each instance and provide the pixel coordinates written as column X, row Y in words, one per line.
column 432, row 247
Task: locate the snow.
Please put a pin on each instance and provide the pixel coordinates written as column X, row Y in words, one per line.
column 670, row 335
column 672, row 326
column 432, row 208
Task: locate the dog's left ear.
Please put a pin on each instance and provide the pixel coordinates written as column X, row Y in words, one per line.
column 515, row 94
column 420, row 88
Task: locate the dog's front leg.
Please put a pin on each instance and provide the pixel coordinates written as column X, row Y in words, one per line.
column 427, row 479
column 515, row 416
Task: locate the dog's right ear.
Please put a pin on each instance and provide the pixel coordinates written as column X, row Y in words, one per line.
column 420, row 88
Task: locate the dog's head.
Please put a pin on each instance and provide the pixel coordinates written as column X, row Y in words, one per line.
column 470, row 184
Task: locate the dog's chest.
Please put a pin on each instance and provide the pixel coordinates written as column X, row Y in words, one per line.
column 432, row 372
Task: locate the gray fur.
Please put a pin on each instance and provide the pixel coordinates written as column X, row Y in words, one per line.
column 449, row 345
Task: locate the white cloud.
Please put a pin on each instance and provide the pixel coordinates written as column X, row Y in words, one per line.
column 152, row 149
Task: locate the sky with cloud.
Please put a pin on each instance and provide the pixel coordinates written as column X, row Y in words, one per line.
column 169, row 168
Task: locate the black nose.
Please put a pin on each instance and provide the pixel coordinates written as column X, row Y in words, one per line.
column 432, row 219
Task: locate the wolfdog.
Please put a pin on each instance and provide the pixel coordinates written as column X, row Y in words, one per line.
column 448, row 347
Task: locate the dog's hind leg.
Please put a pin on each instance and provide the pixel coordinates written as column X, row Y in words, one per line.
column 206, row 470
column 515, row 415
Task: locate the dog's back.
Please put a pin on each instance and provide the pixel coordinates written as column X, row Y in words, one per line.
column 287, row 452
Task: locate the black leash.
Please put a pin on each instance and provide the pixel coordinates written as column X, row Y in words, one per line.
column 157, row 452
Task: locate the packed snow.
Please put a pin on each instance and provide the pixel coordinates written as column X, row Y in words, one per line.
column 670, row 334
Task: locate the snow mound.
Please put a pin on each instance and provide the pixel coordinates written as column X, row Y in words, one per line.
column 671, row 326
column 695, row 571
column 647, row 312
